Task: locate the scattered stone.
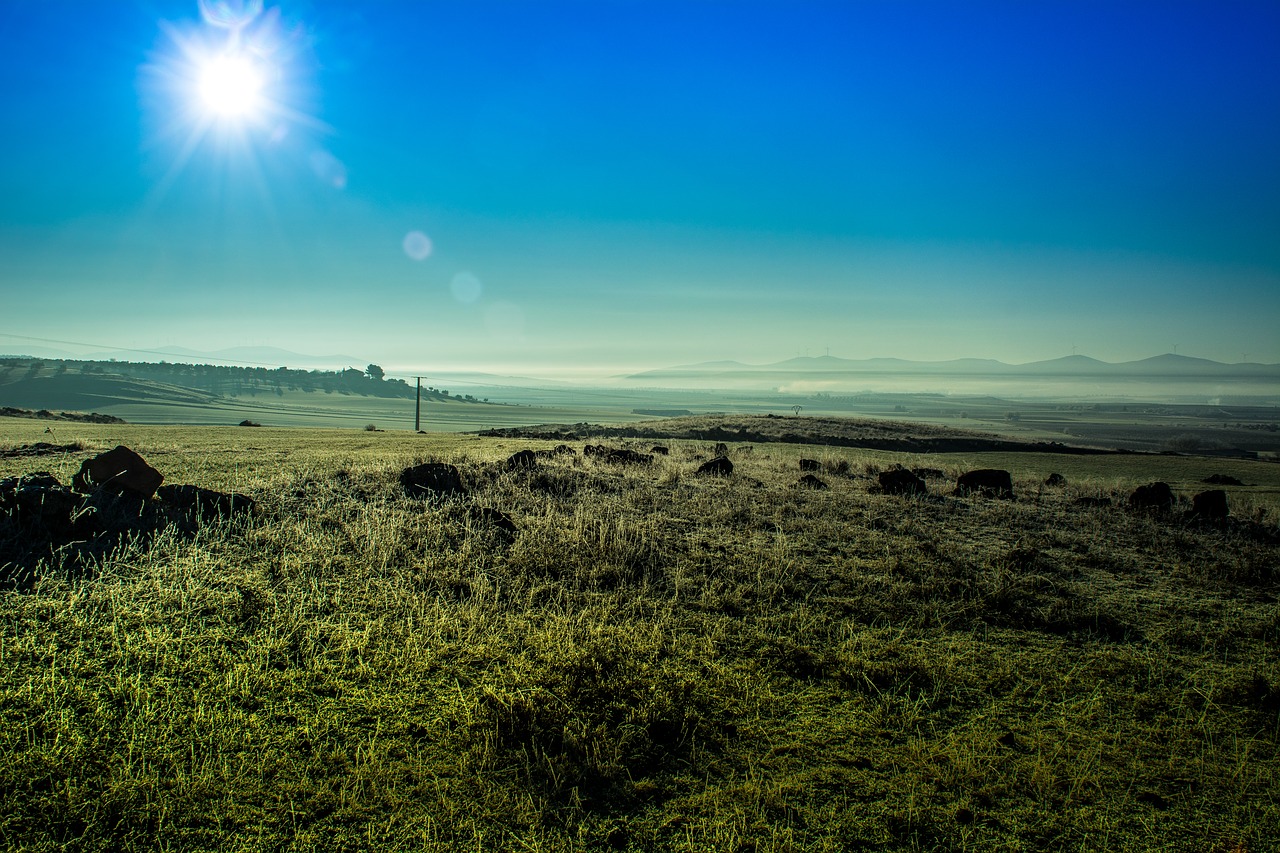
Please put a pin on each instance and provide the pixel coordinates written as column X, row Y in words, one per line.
column 987, row 481
column 810, row 465
column 493, row 518
column 37, row 480
column 39, row 500
column 1055, row 479
column 618, row 455
column 120, row 469
column 1153, row 496
column 1211, row 505
column 432, row 479
column 205, row 504
column 1221, row 480
column 521, row 460
column 810, row 481
column 718, row 467
column 900, row 481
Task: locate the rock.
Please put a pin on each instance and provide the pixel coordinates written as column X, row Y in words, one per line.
column 38, row 501
column 432, row 479
column 987, row 481
column 564, row 450
column 37, row 480
column 248, row 423
column 660, row 450
column 718, row 467
column 1093, row 502
column 809, row 481
column 1221, row 480
column 899, row 481
column 1211, row 504
column 618, row 455
column 722, row 449
column 1055, row 479
column 810, row 465
column 205, row 504
column 494, row 518
column 929, row 473
column 1153, row 496
column 521, row 460
column 120, row 470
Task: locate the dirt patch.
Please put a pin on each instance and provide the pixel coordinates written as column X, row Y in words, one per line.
column 40, row 448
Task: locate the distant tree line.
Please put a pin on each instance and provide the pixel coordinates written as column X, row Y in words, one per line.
column 232, row 381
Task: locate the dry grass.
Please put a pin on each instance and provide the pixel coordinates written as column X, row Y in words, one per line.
column 654, row 661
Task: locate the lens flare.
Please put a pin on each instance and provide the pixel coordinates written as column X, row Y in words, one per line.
column 417, row 245
column 465, row 288
column 230, row 14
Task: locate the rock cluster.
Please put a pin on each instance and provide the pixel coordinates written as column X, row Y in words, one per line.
column 115, row 496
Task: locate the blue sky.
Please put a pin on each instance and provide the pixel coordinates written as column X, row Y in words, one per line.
column 614, row 185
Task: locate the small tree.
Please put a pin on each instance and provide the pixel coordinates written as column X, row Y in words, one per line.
column 375, row 372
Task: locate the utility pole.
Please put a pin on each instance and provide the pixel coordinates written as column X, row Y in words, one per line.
column 417, row 408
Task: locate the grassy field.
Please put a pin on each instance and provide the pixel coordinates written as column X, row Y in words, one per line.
column 653, row 660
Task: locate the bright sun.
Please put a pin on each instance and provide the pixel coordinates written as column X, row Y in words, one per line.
column 230, row 87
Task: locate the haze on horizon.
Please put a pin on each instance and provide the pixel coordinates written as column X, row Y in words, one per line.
column 621, row 186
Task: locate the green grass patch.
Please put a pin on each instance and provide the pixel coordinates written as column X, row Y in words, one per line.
column 654, row 660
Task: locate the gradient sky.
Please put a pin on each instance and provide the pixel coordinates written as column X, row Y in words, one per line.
column 619, row 185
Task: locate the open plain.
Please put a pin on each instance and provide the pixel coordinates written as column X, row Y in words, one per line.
column 577, row 654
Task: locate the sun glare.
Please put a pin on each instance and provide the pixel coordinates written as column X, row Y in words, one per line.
column 230, row 87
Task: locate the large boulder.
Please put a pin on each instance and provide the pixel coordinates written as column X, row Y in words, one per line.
column 1157, row 497
column 121, row 470
column 432, row 479
column 987, row 481
column 900, row 481
column 1211, row 504
column 718, row 467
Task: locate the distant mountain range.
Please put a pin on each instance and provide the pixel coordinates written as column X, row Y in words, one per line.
column 1167, row 366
